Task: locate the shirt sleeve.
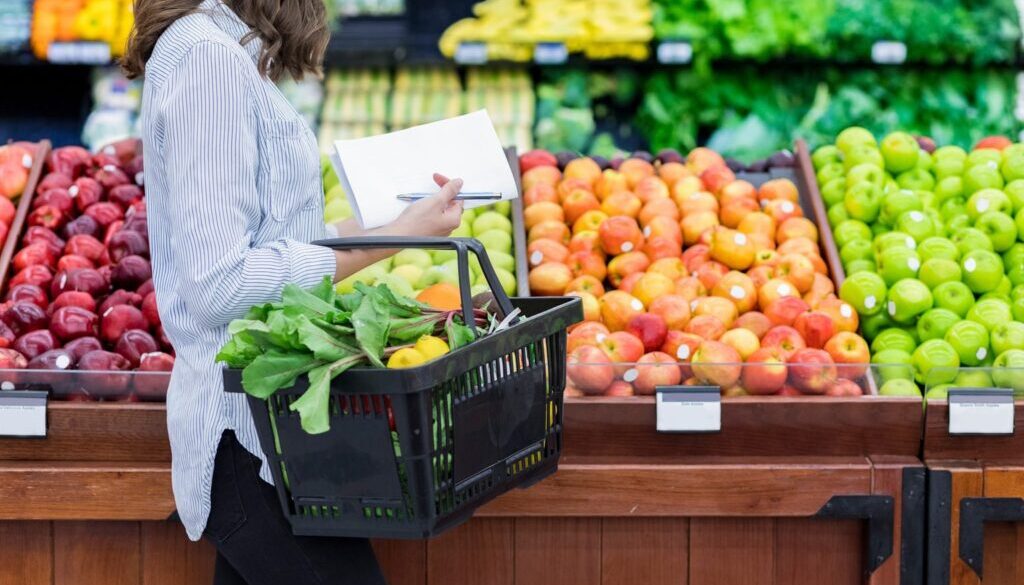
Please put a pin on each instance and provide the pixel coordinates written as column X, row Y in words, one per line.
column 211, row 155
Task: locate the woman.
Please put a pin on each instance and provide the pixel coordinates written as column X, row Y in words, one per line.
column 234, row 198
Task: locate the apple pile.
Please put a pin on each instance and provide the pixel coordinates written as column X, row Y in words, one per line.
column 80, row 294
column 15, row 166
column 932, row 242
column 687, row 275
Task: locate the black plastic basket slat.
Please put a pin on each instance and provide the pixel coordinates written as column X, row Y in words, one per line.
column 516, row 377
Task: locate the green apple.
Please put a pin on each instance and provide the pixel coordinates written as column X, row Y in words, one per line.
column 438, row 274
column 502, row 260
column 937, row 248
column 833, row 191
column 865, row 173
column 411, row 273
column 863, row 155
column 917, row 224
column 970, row 239
column 1012, row 167
column 491, row 220
column 479, row 288
column 469, row 214
column 856, row 250
column 1004, row 288
column 850, row 230
column 900, row 151
column 973, row 379
column 951, row 152
column 898, row 263
column 1008, row 370
column 981, row 177
column 837, row 214
column 894, row 338
column 1014, row 267
column 907, row 299
column 368, row 275
column 330, row 179
column 1007, row 336
column 337, row 210
column 955, row 296
column 1013, row 150
column 507, row 279
column 1017, row 308
column 970, row 339
column 413, row 256
column 935, row 362
column 1015, row 191
column 865, row 291
column 883, row 242
column 934, row 323
column 897, row 202
column 990, row 313
column 999, row 227
column 984, row 156
column 823, row 155
column 1019, row 222
column 945, row 168
column 949, row 188
column 982, row 269
column 873, row 325
column 496, row 240
column 863, row 201
column 1017, row 292
column 860, row 266
column 892, row 364
column 503, row 207
column 398, row 284
column 899, row 387
column 465, row 229
column 830, row 172
column 956, row 224
column 988, row 200
column 924, row 160
column 937, row 271
column 953, row 208
column 854, row 136
column 916, row 179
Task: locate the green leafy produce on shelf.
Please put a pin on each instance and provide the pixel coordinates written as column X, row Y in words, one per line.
column 319, row 333
column 571, row 101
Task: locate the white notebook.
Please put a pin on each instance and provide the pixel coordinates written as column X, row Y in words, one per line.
column 375, row 170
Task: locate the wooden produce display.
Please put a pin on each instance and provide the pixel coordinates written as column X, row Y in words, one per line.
column 975, row 502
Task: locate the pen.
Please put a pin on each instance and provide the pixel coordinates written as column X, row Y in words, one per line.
column 465, row 196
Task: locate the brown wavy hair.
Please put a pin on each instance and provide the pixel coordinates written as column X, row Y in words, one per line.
column 294, row 33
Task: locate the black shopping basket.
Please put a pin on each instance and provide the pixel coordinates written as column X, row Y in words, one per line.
column 413, row 452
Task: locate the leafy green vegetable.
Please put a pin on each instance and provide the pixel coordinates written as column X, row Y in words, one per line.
column 274, row 370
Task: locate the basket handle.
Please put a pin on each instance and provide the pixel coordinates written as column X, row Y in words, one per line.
column 461, row 246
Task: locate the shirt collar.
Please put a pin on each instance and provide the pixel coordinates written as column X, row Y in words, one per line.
column 228, row 21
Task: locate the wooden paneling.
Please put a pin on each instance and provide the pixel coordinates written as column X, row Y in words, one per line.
column 887, row 479
column 1003, row 553
column 737, row 489
column 965, row 483
column 85, row 491
column 81, row 431
column 481, row 552
column 26, row 553
column 170, row 558
column 727, row 551
column 566, row 551
column 404, row 561
column 652, row 551
column 96, row 553
column 938, row 444
column 751, row 427
column 819, row 551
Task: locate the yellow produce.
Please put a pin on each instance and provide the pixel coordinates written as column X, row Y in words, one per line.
column 431, row 347
column 406, row 358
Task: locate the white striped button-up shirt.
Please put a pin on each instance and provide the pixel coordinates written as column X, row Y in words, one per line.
column 234, row 195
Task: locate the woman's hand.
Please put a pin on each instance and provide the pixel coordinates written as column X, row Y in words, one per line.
column 436, row 215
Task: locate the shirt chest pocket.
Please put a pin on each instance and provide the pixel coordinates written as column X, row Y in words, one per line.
column 290, row 167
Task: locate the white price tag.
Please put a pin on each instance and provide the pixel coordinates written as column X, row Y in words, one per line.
column 675, row 53
column 689, row 409
column 23, row 414
column 471, row 53
column 981, row 411
column 550, row 53
column 889, row 52
column 79, row 53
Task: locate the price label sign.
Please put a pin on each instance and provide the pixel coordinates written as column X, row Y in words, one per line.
column 981, row 411
column 23, row 413
column 79, row 53
column 889, row 52
column 550, row 53
column 675, row 53
column 689, row 409
column 471, row 53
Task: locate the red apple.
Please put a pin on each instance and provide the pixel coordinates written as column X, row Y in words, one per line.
column 783, row 341
column 816, row 328
column 755, row 321
column 785, row 310
column 623, row 349
column 682, row 346
column 652, row 370
column 590, row 370
column 844, row 387
column 764, row 373
column 850, row 353
column 649, row 328
column 811, row 370
column 716, row 363
column 619, row 388
column 588, row 333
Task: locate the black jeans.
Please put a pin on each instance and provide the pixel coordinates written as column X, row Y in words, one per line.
column 255, row 544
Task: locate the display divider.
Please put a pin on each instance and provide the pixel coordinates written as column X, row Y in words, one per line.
column 24, row 206
column 518, row 228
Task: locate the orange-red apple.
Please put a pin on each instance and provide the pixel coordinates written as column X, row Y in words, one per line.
column 706, row 326
column 754, row 321
column 624, row 349
column 623, row 265
column 620, row 234
column 655, row 369
column 635, row 170
column 815, row 327
column 716, row 363
column 590, row 370
column 742, row 340
column 694, row 225
column 783, row 341
column 797, row 269
column 622, row 203
column 733, row 248
column 658, row 208
column 811, row 370
column 764, row 373
column 588, row 263
column 738, row 288
column 542, row 211
column 549, row 230
column 773, row 290
column 673, row 308
column 587, row 333
column 651, row 286
column 590, row 221
column 540, row 193
column 785, row 310
column 850, row 353
column 733, row 213
column 778, row 189
column 585, row 283
column 550, row 279
column 650, row 189
column 583, row 168
column 617, row 307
